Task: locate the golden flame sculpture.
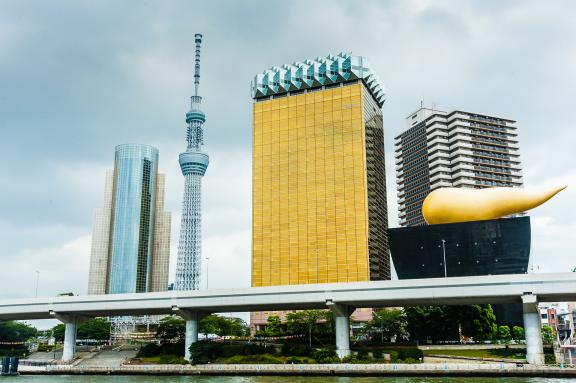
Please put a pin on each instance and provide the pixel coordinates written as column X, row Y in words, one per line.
column 449, row 205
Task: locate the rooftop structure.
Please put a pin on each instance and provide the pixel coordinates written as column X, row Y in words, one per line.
column 322, row 72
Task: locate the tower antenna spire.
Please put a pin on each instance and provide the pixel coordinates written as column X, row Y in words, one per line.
column 193, row 163
column 198, row 40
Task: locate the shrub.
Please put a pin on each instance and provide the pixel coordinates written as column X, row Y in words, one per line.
column 363, row 355
column 42, row 347
column 149, row 350
column 410, row 360
column 173, row 348
column 393, row 355
column 325, row 355
column 549, row 359
column 254, row 359
column 291, row 349
column 171, row 359
column 229, row 350
column 204, row 352
column 293, row 360
column 377, row 353
column 258, row 349
column 350, row 359
column 410, row 352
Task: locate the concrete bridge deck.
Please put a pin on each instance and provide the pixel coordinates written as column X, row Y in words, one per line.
column 554, row 287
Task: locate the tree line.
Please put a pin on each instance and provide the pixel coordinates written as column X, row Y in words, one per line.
column 411, row 324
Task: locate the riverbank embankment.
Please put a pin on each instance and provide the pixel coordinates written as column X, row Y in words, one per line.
column 423, row 369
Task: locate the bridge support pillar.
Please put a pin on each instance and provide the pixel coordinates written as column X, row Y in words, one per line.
column 532, row 330
column 342, row 330
column 191, row 336
column 192, row 319
column 70, row 328
column 69, row 340
column 71, row 323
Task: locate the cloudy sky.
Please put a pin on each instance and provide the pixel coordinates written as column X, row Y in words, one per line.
column 79, row 77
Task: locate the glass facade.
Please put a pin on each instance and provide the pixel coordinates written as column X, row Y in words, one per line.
column 132, row 228
column 319, row 200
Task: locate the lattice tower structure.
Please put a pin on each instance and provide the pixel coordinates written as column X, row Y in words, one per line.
column 193, row 163
column 126, row 328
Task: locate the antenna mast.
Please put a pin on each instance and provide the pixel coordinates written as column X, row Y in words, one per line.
column 193, row 163
column 198, row 40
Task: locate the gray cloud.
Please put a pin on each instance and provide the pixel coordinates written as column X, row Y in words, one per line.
column 79, row 77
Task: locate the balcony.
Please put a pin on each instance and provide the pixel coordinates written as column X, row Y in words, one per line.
column 440, row 184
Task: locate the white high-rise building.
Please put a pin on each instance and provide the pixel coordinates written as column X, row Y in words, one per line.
column 452, row 149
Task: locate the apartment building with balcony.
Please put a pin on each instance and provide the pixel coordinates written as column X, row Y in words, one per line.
column 452, row 149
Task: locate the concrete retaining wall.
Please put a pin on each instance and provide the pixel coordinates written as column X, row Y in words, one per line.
column 469, row 346
column 424, row 369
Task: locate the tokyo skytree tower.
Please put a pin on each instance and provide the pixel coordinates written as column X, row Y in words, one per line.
column 193, row 163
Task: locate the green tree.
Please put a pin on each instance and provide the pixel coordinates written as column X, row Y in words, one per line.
column 219, row 325
column 518, row 333
column 389, row 324
column 548, row 334
column 307, row 322
column 171, row 329
column 12, row 331
column 477, row 321
column 58, row 332
column 97, row 328
column 448, row 323
column 431, row 323
column 273, row 326
column 504, row 333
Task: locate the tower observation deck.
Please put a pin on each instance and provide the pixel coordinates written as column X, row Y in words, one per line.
column 193, row 163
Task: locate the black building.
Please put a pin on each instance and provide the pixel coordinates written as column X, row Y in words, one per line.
column 500, row 246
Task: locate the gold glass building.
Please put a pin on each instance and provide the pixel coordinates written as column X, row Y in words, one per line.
column 319, row 189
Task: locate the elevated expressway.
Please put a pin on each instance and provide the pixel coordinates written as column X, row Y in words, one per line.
column 341, row 298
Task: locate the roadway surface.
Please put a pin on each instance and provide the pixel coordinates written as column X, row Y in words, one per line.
column 108, row 358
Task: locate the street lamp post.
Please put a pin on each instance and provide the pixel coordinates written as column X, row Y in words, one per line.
column 207, row 264
column 37, row 280
column 444, row 255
